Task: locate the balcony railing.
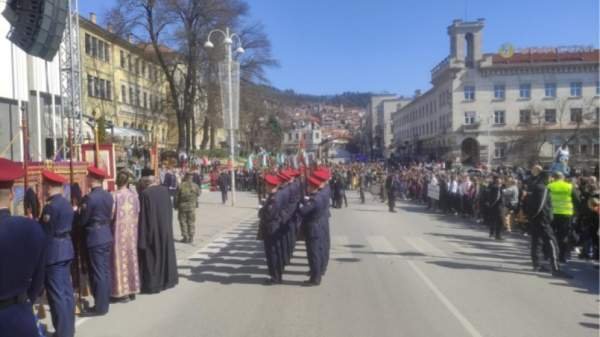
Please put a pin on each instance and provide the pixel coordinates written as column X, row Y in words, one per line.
column 445, row 63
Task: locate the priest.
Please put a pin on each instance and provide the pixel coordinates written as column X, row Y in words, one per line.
column 156, row 248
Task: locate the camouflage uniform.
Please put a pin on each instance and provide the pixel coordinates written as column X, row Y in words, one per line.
column 186, row 202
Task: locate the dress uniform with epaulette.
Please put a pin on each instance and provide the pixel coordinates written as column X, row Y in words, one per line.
column 323, row 176
column 284, row 194
column 96, row 212
column 57, row 220
column 312, row 209
column 22, row 261
column 269, row 227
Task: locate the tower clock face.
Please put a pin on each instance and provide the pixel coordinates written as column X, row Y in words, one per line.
column 506, row 50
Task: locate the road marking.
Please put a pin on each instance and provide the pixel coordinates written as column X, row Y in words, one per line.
column 81, row 321
column 382, row 247
column 339, row 248
column 462, row 319
column 424, row 247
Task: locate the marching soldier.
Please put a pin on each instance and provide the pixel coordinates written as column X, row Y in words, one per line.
column 22, row 261
column 284, row 193
column 57, row 221
column 186, row 202
column 538, row 208
column 96, row 211
column 323, row 176
column 312, row 209
column 269, row 228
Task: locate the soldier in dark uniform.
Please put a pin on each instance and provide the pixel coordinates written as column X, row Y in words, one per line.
column 495, row 208
column 538, row 209
column 22, row 261
column 284, row 194
column 391, row 186
column 312, row 209
column 269, row 226
column 96, row 213
column 223, row 182
column 57, row 220
column 323, row 176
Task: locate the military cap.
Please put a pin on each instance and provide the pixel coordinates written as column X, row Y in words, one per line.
column 314, row 181
column 96, row 173
column 9, row 172
column 321, row 175
column 53, row 178
column 283, row 176
column 272, row 180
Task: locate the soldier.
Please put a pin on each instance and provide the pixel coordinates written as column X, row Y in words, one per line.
column 538, row 208
column 186, row 202
column 96, row 211
column 284, row 193
column 223, row 182
column 312, row 209
column 57, row 221
column 22, row 261
column 494, row 208
column 269, row 227
column 323, row 176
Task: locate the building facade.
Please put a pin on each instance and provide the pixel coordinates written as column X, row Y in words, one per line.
column 374, row 143
column 306, row 134
column 123, row 83
column 503, row 108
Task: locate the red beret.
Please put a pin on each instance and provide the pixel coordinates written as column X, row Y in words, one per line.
column 272, row 180
column 284, row 176
column 321, row 175
column 97, row 173
column 314, row 181
column 9, row 172
column 53, row 178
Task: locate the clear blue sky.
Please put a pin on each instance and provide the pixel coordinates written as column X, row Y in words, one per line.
column 331, row 46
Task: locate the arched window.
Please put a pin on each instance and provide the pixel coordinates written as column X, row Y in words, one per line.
column 469, row 59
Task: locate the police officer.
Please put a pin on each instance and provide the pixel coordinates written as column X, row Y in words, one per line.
column 563, row 197
column 538, row 208
column 57, row 220
column 186, row 202
column 96, row 211
column 269, row 227
column 22, row 261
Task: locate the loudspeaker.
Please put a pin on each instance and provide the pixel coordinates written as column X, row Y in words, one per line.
column 37, row 25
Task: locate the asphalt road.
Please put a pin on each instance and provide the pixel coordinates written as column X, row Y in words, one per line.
column 410, row 273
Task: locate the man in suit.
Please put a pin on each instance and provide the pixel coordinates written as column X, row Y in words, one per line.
column 57, row 220
column 22, row 261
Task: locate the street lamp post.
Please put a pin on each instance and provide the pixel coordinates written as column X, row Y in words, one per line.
column 228, row 42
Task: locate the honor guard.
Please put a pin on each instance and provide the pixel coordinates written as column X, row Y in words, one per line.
column 57, row 220
column 96, row 213
column 312, row 209
column 323, row 175
column 269, row 227
column 22, row 261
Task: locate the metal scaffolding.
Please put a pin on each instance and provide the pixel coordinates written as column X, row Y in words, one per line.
column 70, row 75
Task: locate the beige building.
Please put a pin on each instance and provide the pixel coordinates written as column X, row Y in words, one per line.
column 503, row 108
column 123, row 83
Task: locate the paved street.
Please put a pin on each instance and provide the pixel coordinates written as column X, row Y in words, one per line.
column 411, row 273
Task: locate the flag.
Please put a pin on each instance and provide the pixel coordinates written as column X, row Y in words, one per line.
column 250, row 162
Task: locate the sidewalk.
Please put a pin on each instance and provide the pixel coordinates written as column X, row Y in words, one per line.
column 212, row 219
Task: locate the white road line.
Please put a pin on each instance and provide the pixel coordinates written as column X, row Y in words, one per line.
column 382, row 246
column 462, row 319
column 340, row 249
column 424, row 247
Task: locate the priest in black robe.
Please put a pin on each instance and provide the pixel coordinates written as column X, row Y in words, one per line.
column 157, row 260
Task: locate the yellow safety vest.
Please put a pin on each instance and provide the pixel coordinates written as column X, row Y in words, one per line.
column 561, row 195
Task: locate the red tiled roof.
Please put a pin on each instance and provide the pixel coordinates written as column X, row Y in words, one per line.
column 544, row 57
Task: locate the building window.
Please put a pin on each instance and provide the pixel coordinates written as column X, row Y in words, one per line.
column 137, row 97
column 101, row 86
column 499, row 150
column 583, row 148
column 597, row 114
column 576, row 115
column 90, row 85
column 469, row 92
column 297, row 137
column 88, row 44
column 123, row 94
column 596, row 149
column 470, row 117
column 525, row 116
column 143, row 69
column 125, row 124
column 317, row 135
column 575, row 89
column 597, row 88
column 525, row 90
column 131, row 97
column 550, row 89
column 129, row 64
column 550, row 115
column 100, row 50
column 145, row 100
column 109, row 90
column 499, row 91
column 122, row 58
column 499, row 117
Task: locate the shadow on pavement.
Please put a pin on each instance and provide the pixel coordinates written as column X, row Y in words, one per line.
column 238, row 259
